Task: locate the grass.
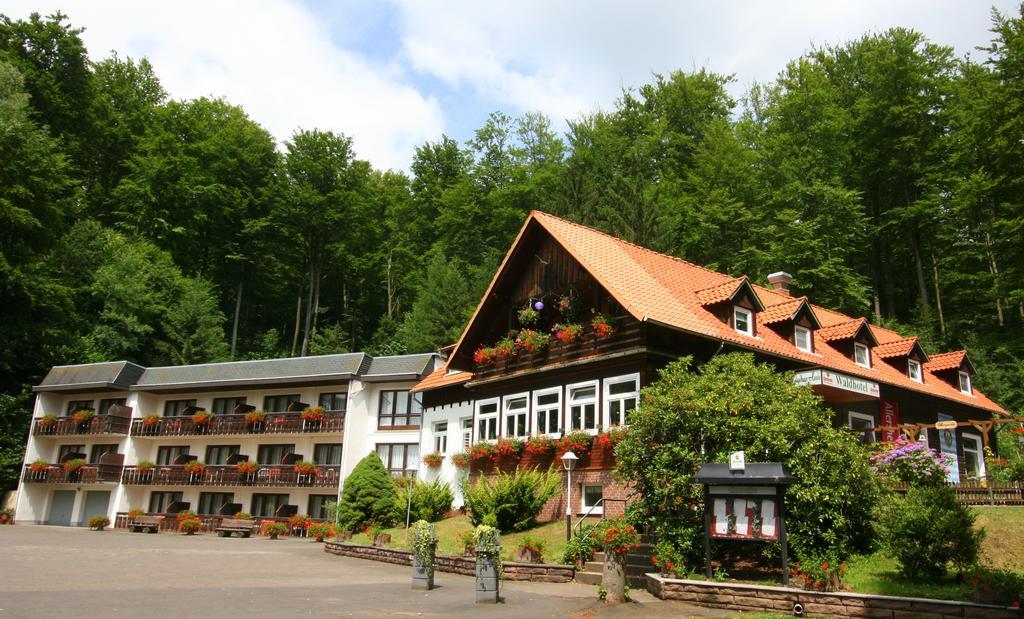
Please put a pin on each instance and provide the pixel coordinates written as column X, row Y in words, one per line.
column 1003, row 545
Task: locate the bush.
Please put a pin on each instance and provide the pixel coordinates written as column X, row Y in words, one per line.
column 430, row 500
column 368, row 496
column 581, row 547
column 993, row 585
column 510, row 502
column 911, row 462
column 99, row 522
column 927, row 530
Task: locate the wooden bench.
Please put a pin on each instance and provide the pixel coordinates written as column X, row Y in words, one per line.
column 229, row 526
column 149, row 524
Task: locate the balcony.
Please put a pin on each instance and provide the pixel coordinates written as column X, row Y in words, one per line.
column 67, row 426
column 88, row 474
column 271, row 476
column 220, row 425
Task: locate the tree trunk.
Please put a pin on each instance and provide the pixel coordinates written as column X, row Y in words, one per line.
column 309, row 311
column 922, row 286
column 993, row 268
column 316, row 300
column 234, row 326
column 298, row 317
column 938, row 296
column 390, row 286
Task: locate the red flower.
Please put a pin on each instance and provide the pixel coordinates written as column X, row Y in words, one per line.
column 1016, row 604
column 824, row 565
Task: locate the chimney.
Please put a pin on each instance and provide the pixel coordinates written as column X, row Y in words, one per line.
column 780, row 282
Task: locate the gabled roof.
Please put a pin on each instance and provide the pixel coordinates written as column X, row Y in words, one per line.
column 442, row 378
column 900, row 348
column 847, row 331
column 728, row 291
column 948, row 361
column 111, row 375
column 788, row 310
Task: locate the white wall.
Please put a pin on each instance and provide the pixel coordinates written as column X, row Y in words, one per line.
column 452, row 414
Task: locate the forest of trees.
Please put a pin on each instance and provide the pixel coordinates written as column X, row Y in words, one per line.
column 885, row 173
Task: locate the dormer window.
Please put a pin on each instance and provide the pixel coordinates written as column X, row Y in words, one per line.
column 743, row 321
column 914, row 370
column 861, row 355
column 965, row 383
column 802, row 338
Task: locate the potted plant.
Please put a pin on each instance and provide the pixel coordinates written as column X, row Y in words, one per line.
column 529, row 550
column 135, row 512
column 243, row 516
column 467, row 539
column 618, row 537
column 578, row 442
column 82, row 416
column 424, row 549
column 433, row 460
column 73, row 468
column 377, row 535
column 505, row 348
column 247, row 470
column 341, row 533
column 306, row 468
column 602, row 326
column 299, row 522
column 320, row 530
column 47, row 422
column 315, row 414
column 275, row 529
column 150, row 421
column 254, row 418
column 98, row 523
column 202, row 420
column 189, row 526
column 485, row 356
column 528, row 316
column 7, row 515
column 567, row 306
column 539, row 446
column 461, row 460
column 531, row 341
column 508, row 447
column 38, row 466
column 184, row 515
column 568, row 333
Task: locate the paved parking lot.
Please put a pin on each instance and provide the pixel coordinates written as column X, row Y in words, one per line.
column 68, row 572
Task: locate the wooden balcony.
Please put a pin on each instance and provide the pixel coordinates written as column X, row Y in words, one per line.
column 275, row 423
column 66, row 426
column 88, row 474
column 271, row 476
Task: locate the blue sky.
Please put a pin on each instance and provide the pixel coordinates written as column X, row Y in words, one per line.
column 395, row 73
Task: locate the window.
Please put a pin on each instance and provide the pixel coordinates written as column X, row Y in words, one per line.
column 802, row 339
column 106, row 404
column 965, row 383
column 547, row 411
column 621, row 396
column 273, row 454
column 99, row 450
column 487, row 420
column 174, row 408
column 859, row 422
column 592, row 499
column 743, row 321
column 278, row 403
column 974, row 464
column 76, row 405
column 467, row 432
column 266, row 505
column 441, row 437
column 517, row 410
column 211, row 502
column 318, row 506
column 219, row 454
column 861, row 355
column 327, row 453
column 914, row 370
column 66, row 450
column 160, row 501
column 399, row 409
column 166, row 455
column 583, row 406
column 226, row 406
column 398, row 457
column 335, row 402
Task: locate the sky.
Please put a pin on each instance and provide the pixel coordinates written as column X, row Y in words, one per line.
column 393, row 74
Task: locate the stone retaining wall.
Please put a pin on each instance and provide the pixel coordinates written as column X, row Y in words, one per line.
column 737, row 596
column 536, row 572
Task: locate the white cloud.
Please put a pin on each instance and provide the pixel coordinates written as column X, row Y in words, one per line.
column 273, row 58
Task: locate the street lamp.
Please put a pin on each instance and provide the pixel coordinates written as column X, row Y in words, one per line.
column 411, row 474
column 569, row 462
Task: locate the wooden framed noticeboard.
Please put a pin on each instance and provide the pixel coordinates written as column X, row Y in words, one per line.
column 743, row 516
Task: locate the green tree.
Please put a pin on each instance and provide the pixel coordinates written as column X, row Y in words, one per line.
column 368, row 496
column 443, row 305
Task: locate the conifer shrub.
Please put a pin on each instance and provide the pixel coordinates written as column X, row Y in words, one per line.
column 368, row 497
column 430, row 500
column 510, row 502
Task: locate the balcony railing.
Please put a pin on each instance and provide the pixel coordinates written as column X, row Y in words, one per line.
column 66, row 426
column 272, row 476
column 275, row 423
column 88, row 474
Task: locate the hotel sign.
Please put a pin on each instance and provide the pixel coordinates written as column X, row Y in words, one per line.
column 836, row 380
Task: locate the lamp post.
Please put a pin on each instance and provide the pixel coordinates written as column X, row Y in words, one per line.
column 569, row 462
column 411, row 474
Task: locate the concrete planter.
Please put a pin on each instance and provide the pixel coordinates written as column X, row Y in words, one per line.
column 382, row 539
column 423, row 575
column 487, row 577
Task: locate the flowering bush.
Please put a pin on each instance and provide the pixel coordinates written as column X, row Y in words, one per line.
column 190, row 525
column 461, row 460
column 528, row 316
column 254, row 417
column 38, row 466
column 306, row 467
column 99, row 522
column 276, row 528
column 508, row 447
column 911, row 462
column 202, row 418
column 466, row 539
column 481, row 452
column 185, row 514
column 819, row 574
column 315, row 413
column 485, row 355
column 568, row 332
column 602, row 326
column 83, row 415
column 144, row 466
column 48, row 420
column 300, row 521
column 320, row 530
column 74, row 465
column 539, row 445
column 530, row 544
column 578, row 442
column 532, row 341
column 505, row 348
column 195, row 466
column 668, row 560
column 247, row 466
column 618, row 536
column 610, row 438
column 993, row 585
column 433, row 460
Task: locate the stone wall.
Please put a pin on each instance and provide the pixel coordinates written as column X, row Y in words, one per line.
column 738, row 596
column 536, row 572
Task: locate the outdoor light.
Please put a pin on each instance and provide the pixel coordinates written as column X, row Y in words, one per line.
column 569, row 462
column 539, row 305
column 411, row 474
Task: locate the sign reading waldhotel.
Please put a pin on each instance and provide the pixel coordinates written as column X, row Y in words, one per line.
column 838, row 381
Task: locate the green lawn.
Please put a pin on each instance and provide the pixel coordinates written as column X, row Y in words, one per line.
column 1004, row 536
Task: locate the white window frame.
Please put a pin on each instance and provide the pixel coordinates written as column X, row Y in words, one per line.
column 796, row 340
column 525, row 412
column 569, row 404
column 480, row 417
column 736, row 311
column 851, row 415
column 965, row 378
column 440, row 437
column 966, row 437
column 857, row 346
column 586, row 509
column 606, row 414
column 466, row 425
column 912, row 365
column 537, row 409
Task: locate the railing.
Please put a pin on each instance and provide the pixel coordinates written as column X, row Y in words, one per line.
column 169, row 521
column 271, row 476
column 88, row 474
column 979, row 493
column 600, row 503
column 67, row 426
column 274, row 423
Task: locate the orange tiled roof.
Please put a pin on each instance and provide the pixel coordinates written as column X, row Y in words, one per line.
column 782, row 311
column 720, row 292
column 946, row 361
column 666, row 290
column 896, row 348
column 441, row 378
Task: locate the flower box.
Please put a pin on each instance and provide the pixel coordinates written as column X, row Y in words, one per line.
column 433, row 460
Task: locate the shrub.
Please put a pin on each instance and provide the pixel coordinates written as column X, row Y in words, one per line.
column 995, row 585
column 911, row 462
column 511, row 501
column 669, row 561
column 99, row 522
column 927, row 530
column 368, row 496
column 276, row 528
column 819, row 573
column 466, row 539
column 581, row 547
column 430, row 500
column 191, row 525
column 320, row 530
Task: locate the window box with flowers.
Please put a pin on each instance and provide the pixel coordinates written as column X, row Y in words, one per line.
column 529, row 550
column 505, row 348
column 433, row 460
column 39, row 466
column 83, row 416
column 568, row 333
column 531, row 341
column 73, row 468
column 202, row 420
column 254, row 420
column 307, row 472
column 150, row 423
column 578, row 442
column 602, row 326
column 195, row 470
column 47, row 423
column 247, row 470
column 537, row 449
column 508, row 448
column 313, row 417
column 485, row 356
column 481, row 453
column 461, row 460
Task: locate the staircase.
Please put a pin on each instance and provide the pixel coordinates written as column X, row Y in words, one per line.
column 638, row 563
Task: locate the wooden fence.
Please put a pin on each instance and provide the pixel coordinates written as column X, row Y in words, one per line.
column 978, row 493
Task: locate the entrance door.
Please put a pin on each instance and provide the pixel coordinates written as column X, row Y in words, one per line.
column 61, row 504
column 96, row 503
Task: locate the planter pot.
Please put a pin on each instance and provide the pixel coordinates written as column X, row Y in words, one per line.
column 487, row 580
column 527, row 556
column 423, row 573
column 382, row 539
column 273, row 535
column 613, row 577
column 344, row 536
column 190, row 532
